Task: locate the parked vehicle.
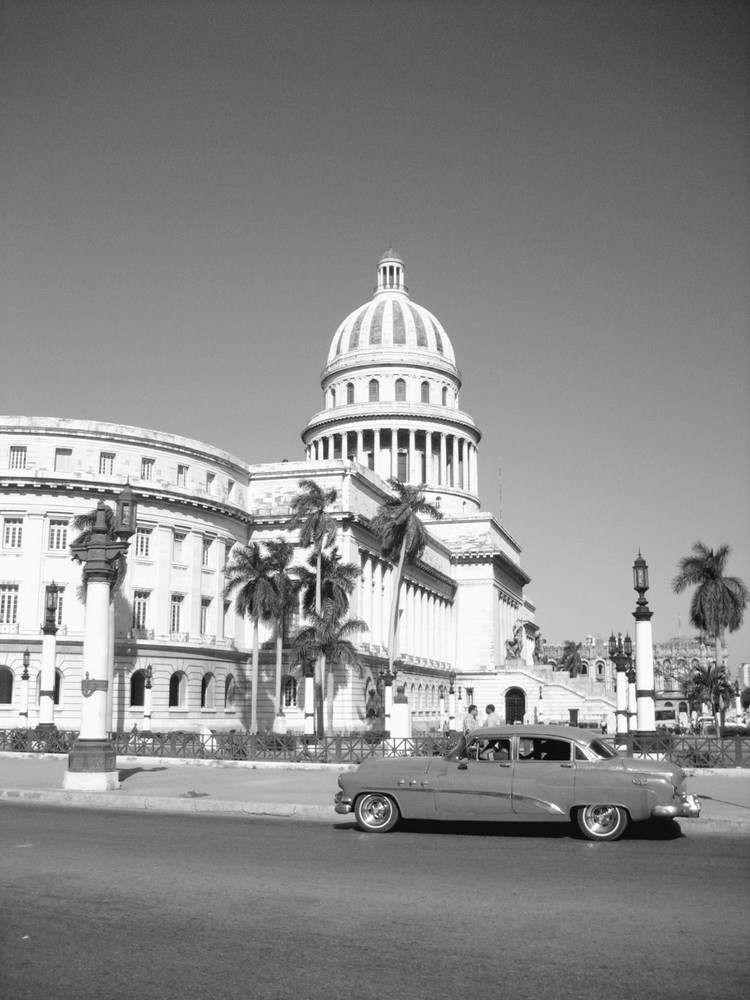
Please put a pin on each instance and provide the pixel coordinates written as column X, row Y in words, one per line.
column 518, row 774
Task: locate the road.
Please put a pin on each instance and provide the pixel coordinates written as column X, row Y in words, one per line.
column 123, row 906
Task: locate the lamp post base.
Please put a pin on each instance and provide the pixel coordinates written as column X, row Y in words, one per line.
column 92, row 767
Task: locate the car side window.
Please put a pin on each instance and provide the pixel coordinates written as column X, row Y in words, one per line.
column 543, row 748
column 489, row 749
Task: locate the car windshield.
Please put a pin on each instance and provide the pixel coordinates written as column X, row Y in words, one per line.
column 601, row 750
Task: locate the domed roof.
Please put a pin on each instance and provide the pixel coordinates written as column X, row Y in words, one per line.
column 391, row 321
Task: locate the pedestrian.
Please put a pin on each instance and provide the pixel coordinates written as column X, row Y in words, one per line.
column 492, row 719
column 471, row 719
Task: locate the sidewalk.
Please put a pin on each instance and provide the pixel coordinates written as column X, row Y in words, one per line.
column 302, row 791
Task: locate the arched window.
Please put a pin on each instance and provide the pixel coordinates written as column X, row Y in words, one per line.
column 6, row 686
column 177, row 690
column 515, row 705
column 333, row 397
column 289, row 692
column 229, row 692
column 445, row 396
column 138, row 689
column 207, row 691
column 425, row 390
column 350, row 392
column 400, row 390
column 374, row 390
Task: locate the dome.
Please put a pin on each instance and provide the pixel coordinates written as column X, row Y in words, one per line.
column 391, row 321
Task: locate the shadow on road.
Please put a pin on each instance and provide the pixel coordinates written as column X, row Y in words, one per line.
column 647, row 830
column 128, row 772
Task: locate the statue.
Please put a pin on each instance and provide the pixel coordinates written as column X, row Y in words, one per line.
column 514, row 646
column 373, row 708
column 540, row 656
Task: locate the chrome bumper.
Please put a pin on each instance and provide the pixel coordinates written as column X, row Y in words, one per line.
column 341, row 804
column 688, row 806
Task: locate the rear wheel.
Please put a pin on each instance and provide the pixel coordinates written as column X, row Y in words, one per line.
column 602, row 822
column 376, row 812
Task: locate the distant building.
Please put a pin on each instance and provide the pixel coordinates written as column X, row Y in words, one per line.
column 391, row 409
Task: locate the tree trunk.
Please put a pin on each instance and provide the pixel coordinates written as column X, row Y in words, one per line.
column 320, row 662
column 393, row 625
column 279, row 654
column 254, row 682
column 716, row 700
column 329, row 699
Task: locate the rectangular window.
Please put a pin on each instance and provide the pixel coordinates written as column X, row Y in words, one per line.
column 142, row 542
column 182, row 472
column 205, row 606
column 17, row 459
column 63, row 459
column 59, row 608
column 147, row 468
column 206, row 553
column 8, row 604
column 227, row 609
column 210, row 480
column 178, row 546
column 402, row 473
column 12, row 532
column 175, row 612
column 106, row 463
column 58, row 536
column 140, row 609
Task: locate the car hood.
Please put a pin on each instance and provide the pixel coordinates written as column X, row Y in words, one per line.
column 391, row 765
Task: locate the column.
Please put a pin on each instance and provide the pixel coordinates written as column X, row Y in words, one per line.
column 376, row 450
column 412, row 457
column 443, row 474
column 360, row 448
column 455, row 462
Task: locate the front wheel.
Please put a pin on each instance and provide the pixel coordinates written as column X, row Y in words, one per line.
column 375, row 812
column 602, row 822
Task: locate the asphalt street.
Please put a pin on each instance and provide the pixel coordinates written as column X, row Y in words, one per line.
column 118, row 905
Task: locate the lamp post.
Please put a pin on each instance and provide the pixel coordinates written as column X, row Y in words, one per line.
column 451, row 702
column 147, row 698
column 388, row 677
column 49, row 661
column 24, row 713
column 645, row 691
column 620, row 653
column 91, row 763
column 632, row 700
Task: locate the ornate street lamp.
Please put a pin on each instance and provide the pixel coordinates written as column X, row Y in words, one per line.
column 620, row 653
column 24, row 713
column 451, row 701
column 645, row 690
column 91, row 762
column 49, row 661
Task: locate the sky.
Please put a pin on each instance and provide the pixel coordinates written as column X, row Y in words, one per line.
column 195, row 193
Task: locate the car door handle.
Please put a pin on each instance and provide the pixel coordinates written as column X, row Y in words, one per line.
column 504, row 763
column 566, row 765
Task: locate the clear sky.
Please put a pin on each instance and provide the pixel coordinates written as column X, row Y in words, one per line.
column 195, row 193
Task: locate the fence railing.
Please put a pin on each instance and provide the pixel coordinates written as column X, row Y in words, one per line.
column 353, row 748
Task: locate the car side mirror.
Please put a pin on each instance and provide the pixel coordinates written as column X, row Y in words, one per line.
column 463, row 766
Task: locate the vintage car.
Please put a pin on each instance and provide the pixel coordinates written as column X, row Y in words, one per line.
column 518, row 774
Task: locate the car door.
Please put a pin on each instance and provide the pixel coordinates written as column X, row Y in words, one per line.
column 479, row 785
column 543, row 777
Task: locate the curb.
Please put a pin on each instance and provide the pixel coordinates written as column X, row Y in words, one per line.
column 180, row 804
column 279, row 810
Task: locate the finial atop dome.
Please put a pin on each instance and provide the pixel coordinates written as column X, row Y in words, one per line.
column 391, row 273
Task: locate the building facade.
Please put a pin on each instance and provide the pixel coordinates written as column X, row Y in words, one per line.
column 391, row 410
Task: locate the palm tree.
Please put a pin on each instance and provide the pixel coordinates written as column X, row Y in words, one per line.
column 719, row 602
column 403, row 537
column 326, row 641
column 709, row 682
column 571, row 658
column 317, row 529
column 249, row 574
column 280, row 554
column 338, row 580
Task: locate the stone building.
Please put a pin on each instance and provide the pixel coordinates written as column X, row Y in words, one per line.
column 391, row 409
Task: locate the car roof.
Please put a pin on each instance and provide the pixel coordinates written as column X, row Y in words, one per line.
column 543, row 732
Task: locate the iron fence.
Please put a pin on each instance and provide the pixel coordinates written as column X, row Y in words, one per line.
column 353, row 748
